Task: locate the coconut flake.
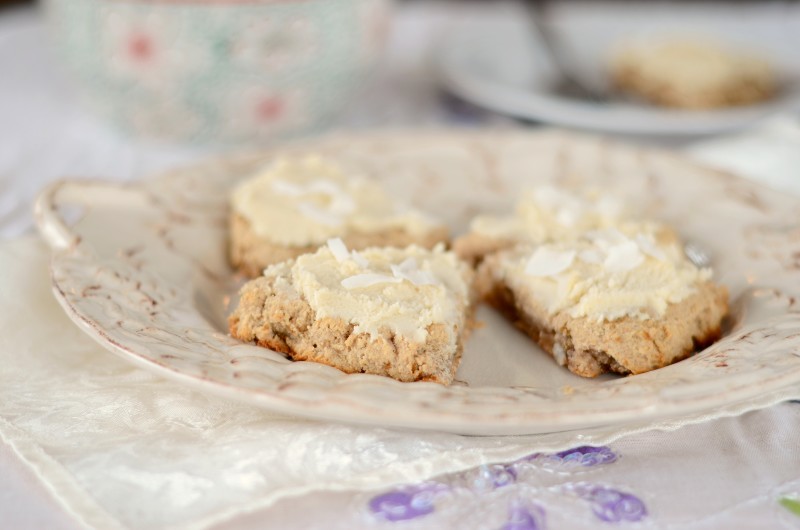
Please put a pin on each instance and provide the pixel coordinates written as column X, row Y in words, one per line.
column 338, row 249
column 551, row 196
column 325, row 187
column 360, row 281
column 360, row 260
column 606, row 238
column 648, row 245
column 591, row 255
column 623, row 257
column 409, row 270
column 608, row 206
column 548, row 262
column 340, row 202
column 416, row 277
column 568, row 216
column 340, row 252
column 281, row 187
column 409, row 264
column 424, row 278
column 566, row 206
column 319, row 215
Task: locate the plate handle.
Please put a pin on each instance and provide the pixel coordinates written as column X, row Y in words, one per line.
column 57, row 202
column 49, row 221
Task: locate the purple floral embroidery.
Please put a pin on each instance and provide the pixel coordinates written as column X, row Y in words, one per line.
column 612, row 505
column 587, row 455
column 495, row 476
column 521, row 517
column 406, row 503
column 606, row 503
column 583, row 456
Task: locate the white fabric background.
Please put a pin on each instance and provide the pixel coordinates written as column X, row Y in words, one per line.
column 116, row 446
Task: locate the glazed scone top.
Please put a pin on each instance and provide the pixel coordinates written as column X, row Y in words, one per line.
column 402, row 290
column 306, row 201
column 548, row 213
column 635, row 270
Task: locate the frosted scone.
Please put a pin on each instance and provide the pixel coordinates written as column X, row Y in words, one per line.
column 295, row 205
column 544, row 214
column 625, row 301
column 692, row 74
column 401, row 313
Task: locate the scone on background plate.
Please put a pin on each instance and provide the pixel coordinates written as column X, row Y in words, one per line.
column 692, row 74
column 296, row 204
column 402, row 313
column 621, row 300
column 543, row 214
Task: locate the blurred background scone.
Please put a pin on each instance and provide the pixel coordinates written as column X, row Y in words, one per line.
column 692, row 74
column 296, row 204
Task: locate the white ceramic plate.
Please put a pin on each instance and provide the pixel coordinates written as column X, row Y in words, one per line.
column 496, row 64
column 142, row 269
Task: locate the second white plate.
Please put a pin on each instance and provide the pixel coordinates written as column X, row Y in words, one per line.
column 496, row 64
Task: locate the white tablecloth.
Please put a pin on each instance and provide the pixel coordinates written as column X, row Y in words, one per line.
column 739, row 472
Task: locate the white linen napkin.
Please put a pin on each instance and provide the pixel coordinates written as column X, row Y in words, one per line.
column 768, row 154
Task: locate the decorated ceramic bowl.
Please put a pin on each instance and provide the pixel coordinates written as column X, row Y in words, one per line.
column 218, row 71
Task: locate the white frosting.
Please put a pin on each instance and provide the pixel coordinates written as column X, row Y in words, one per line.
column 402, row 290
column 548, row 213
column 305, row 201
column 635, row 271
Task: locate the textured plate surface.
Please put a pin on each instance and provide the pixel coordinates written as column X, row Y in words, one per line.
column 142, row 269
